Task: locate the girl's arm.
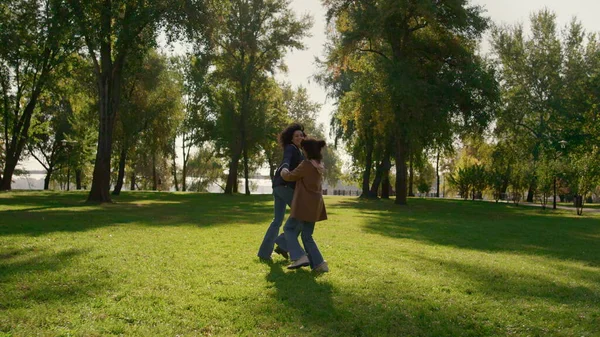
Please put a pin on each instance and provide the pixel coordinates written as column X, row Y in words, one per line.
column 296, row 174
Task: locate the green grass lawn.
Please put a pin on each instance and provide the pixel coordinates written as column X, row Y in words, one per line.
column 160, row 264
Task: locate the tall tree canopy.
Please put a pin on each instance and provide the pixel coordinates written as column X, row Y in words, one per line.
column 250, row 43
column 36, row 36
column 426, row 49
column 115, row 32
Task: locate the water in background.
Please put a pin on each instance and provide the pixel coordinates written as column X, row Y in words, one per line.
column 35, row 181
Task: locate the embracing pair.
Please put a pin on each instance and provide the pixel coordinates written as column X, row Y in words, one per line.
column 297, row 183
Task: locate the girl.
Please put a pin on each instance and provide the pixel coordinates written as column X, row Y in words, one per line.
column 307, row 207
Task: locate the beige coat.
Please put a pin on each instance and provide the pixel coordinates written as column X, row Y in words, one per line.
column 308, row 202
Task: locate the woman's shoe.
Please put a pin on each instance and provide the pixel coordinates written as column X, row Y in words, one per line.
column 322, row 268
column 281, row 252
column 301, row 262
column 263, row 260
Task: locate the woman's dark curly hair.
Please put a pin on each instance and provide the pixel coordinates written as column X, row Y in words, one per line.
column 285, row 137
column 312, row 148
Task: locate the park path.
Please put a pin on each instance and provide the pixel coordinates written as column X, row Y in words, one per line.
column 568, row 208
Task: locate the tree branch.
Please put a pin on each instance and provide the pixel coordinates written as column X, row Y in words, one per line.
column 374, row 51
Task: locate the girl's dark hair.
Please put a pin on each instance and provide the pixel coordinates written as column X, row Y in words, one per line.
column 312, row 148
column 285, row 137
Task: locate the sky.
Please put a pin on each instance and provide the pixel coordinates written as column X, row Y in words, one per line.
column 302, row 66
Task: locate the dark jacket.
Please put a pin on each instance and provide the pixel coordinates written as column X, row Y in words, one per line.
column 292, row 157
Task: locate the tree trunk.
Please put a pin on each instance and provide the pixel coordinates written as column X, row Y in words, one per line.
column 175, row 168
column 411, row 176
column 367, row 172
column 272, row 169
column 374, row 192
column 183, row 176
column 78, row 179
column 184, row 168
column 154, row 176
column 386, row 187
column 109, row 88
column 121, row 175
column 231, row 185
column 9, row 168
column 530, row 192
column 401, row 179
column 437, row 175
column 246, row 170
column 18, row 141
column 554, row 198
column 132, row 181
column 47, row 179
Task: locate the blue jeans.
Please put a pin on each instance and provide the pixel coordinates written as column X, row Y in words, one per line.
column 283, row 195
column 291, row 231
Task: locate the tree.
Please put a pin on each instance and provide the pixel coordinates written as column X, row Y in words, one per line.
column 500, row 169
column 530, row 71
column 428, row 50
column 584, row 174
column 426, row 175
column 197, row 127
column 461, row 180
column 250, row 41
column 151, row 99
column 277, row 119
column 116, row 32
column 206, row 169
column 36, row 37
column 48, row 142
column 546, row 174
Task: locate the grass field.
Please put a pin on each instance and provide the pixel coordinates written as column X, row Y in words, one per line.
column 160, row 264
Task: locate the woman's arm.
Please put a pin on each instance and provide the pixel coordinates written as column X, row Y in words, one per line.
column 296, row 174
column 288, row 154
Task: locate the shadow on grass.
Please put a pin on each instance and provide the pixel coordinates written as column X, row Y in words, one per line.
column 484, row 226
column 324, row 310
column 45, row 212
column 522, row 285
column 36, row 276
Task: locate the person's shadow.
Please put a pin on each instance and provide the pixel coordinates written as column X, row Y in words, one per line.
column 305, row 299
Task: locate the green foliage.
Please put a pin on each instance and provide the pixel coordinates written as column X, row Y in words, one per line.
column 519, row 181
column 584, row 173
column 150, row 117
column 470, row 180
column 425, row 177
column 419, row 50
column 461, row 180
column 251, row 39
column 206, row 169
column 36, row 37
column 546, row 173
column 549, row 83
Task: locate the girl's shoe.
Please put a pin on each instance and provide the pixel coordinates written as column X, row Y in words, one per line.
column 301, row 262
column 282, row 252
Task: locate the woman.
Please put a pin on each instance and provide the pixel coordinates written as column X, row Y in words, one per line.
column 307, row 207
column 283, row 191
